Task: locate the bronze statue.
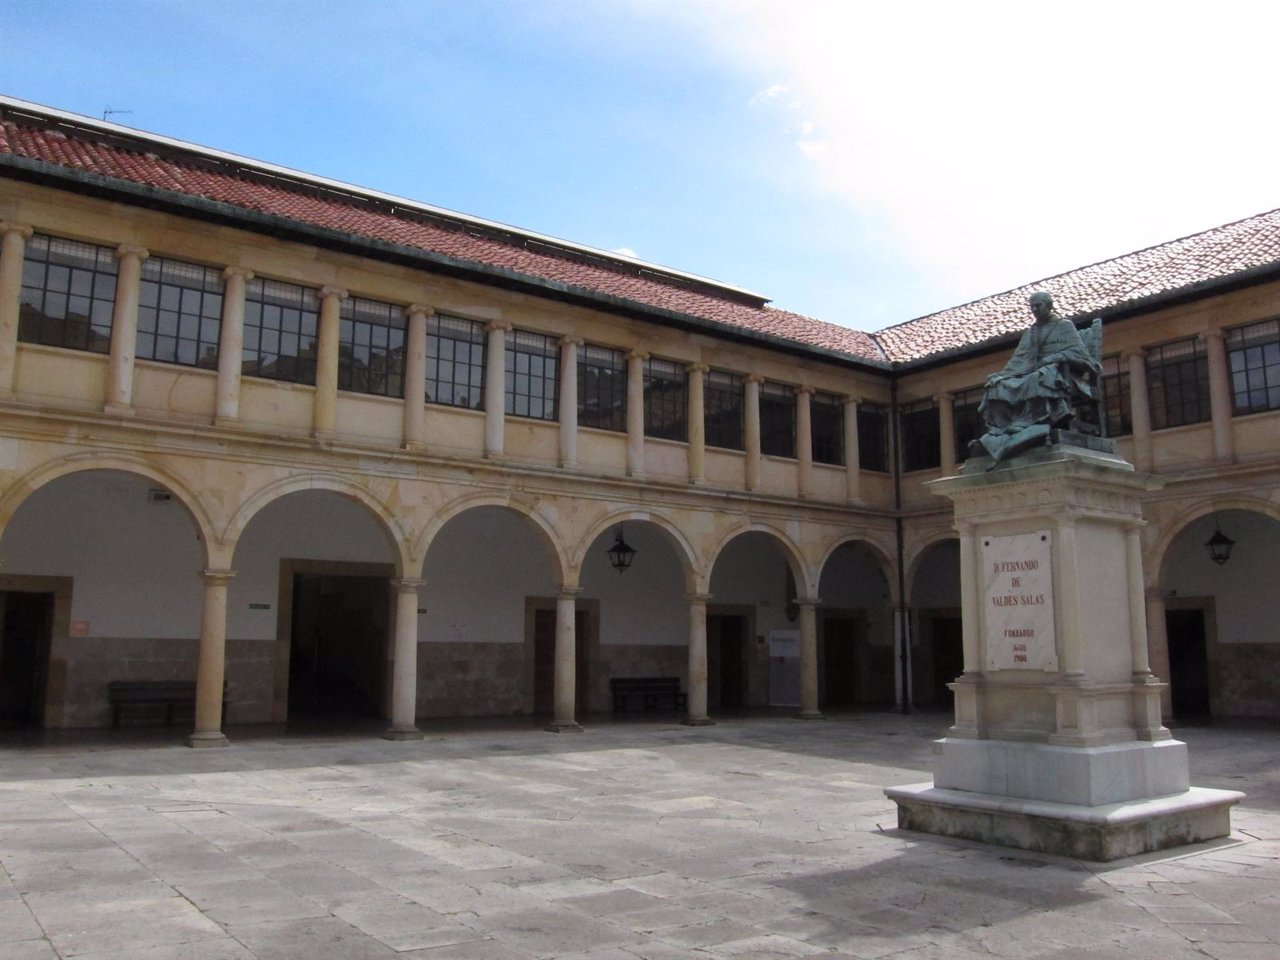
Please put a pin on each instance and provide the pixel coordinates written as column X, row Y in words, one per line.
column 1050, row 375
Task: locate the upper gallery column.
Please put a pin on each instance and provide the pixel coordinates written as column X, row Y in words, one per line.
column 635, row 412
column 1140, row 409
column 946, row 433
column 13, row 250
column 415, row 376
column 852, row 467
column 495, row 388
column 1224, row 447
column 569, row 401
column 804, row 442
column 326, row 398
column 124, row 329
column 231, row 344
column 751, row 403
column 697, row 422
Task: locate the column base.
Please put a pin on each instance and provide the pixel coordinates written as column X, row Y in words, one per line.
column 563, row 726
column 215, row 738
column 809, row 715
column 118, row 409
column 402, row 733
column 698, row 722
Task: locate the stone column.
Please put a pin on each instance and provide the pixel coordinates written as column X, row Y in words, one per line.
column 231, row 344
column 413, row 431
column 569, row 401
column 404, row 664
column 698, row 716
column 1224, row 447
column 124, row 329
column 13, row 250
column 1147, row 688
column 751, row 411
column 809, row 658
column 495, row 388
column 1140, row 410
column 1070, row 641
column 852, row 466
column 804, row 442
column 326, row 397
column 211, row 662
column 697, row 422
column 566, row 671
column 635, row 413
column 1158, row 645
column 946, row 433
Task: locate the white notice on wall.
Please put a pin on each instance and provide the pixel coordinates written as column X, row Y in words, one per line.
column 1017, row 594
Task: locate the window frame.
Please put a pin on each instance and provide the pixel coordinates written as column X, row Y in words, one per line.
column 873, row 436
column 198, row 311
column 920, row 447
column 1172, row 369
column 358, row 314
column 532, row 392
column 724, row 397
column 302, row 308
column 1255, row 359
column 777, row 420
column 1117, row 397
column 466, row 374
column 826, row 428
column 602, row 388
column 79, row 263
column 666, row 410
column 967, row 423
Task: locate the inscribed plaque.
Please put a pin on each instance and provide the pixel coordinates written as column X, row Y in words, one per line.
column 1017, row 598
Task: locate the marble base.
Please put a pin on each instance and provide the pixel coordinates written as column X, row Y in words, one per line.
column 201, row 740
column 402, row 733
column 1100, row 833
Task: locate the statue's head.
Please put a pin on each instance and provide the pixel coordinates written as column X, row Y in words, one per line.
column 1042, row 305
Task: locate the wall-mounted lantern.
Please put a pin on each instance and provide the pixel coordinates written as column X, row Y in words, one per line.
column 621, row 553
column 1219, row 545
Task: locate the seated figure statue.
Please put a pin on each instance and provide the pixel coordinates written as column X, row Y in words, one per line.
column 1050, row 372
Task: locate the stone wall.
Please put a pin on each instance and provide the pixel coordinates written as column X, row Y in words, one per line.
column 1244, row 680
column 473, row 679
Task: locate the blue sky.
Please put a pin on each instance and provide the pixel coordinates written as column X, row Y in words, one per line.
column 862, row 163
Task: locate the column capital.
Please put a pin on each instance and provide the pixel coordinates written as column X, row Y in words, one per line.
column 212, row 575
column 132, row 250
column 753, row 378
column 852, row 399
column 408, row 585
column 1213, row 334
column 1135, row 353
column 24, row 230
column 329, row 291
column 702, row 598
column 806, row 389
column 244, row 273
column 637, row 354
column 414, row 309
column 697, row 367
column 943, row 397
column 572, row 341
column 498, row 325
column 568, row 593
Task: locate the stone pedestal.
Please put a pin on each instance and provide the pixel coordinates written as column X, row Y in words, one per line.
column 1057, row 744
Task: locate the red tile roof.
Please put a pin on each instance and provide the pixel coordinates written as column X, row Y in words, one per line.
column 1180, row 266
column 108, row 153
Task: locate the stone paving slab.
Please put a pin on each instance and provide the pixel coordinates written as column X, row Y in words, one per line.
column 760, row 837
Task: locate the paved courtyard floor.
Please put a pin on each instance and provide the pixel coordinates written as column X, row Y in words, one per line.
column 760, row 837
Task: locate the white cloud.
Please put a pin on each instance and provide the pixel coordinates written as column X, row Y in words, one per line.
column 1004, row 142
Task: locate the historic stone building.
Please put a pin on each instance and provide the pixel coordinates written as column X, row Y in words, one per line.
column 328, row 451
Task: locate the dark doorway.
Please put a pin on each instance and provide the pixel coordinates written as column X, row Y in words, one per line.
column 544, row 663
column 947, row 647
column 338, row 647
column 25, row 633
column 1188, row 664
column 841, row 638
column 726, row 660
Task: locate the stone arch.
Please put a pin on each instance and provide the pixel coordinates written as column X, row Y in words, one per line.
column 255, row 502
column 696, row 579
column 1171, row 529
column 790, row 550
column 915, row 560
column 455, row 508
column 23, row 487
column 884, row 560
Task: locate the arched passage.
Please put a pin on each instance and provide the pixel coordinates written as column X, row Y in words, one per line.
column 855, row 630
column 755, row 625
column 491, row 577
column 309, row 610
column 937, row 650
column 101, row 582
column 1221, row 651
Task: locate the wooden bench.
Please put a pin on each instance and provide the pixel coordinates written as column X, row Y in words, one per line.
column 646, row 693
column 146, row 697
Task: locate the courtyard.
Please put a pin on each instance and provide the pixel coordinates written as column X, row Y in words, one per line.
column 759, row 837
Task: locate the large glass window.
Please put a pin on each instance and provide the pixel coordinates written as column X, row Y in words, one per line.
column 918, row 423
column 371, row 347
column 68, row 292
column 966, row 422
column 777, row 419
column 724, row 399
column 280, row 321
column 1178, row 383
column 826, row 424
column 1253, row 355
column 873, row 437
column 666, row 400
column 455, row 362
column 179, row 313
column 1116, row 404
column 532, row 374
column 602, row 388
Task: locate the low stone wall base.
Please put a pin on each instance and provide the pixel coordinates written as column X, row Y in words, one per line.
column 1098, row 833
